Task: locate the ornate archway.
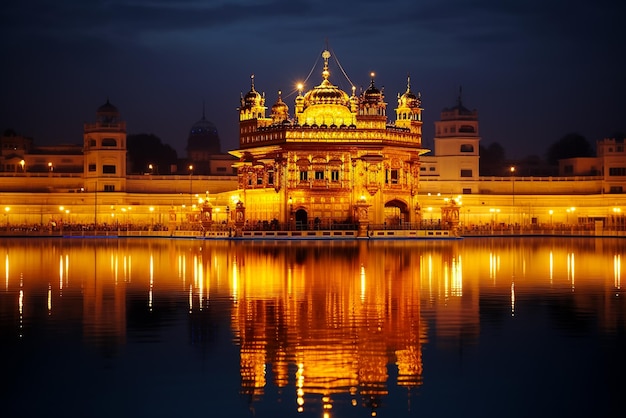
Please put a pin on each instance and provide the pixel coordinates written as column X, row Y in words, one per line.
column 396, row 213
column 301, row 218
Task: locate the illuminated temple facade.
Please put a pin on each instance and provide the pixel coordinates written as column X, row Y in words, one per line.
column 335, row 159
column 332, row 158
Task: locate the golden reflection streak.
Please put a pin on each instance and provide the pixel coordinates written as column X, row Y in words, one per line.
column 457, row 277
column 61, row 270
column 20, row 305
column 6, row 271
column 494, row 264
column 431, row 293
column 617, row 268
column 127, row 268
column 67, row 269
column 151, row 269
column 571, row 268
column 513, row 299
column 300, row 386
column 363, row 283
column 235, row 284
column 551, row 268
column 199, row 278
column 182, row 272
column 190, row 298
column 49, row 299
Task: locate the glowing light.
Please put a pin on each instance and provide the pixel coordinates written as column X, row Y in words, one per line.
column 363, row 283
column 457, row 277
column 617, row 269
column 61, row 270
column 571, row 268
column 151, row 282
column 513, row 299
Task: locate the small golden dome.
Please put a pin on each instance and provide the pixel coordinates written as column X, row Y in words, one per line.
column 253, row 97
column 280, row 110
column 408, row 99
column 372, row 95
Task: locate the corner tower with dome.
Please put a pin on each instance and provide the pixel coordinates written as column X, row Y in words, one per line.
column 336, row 155
column 104, row 150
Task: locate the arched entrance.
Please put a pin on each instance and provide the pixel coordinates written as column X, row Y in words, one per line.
column 301, row 219
column 396, row 213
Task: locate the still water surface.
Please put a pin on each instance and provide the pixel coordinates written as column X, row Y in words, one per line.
column 174, row 328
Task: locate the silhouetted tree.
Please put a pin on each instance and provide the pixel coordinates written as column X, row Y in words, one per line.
column 145, row 149
column 570, row 146
column 492, row 160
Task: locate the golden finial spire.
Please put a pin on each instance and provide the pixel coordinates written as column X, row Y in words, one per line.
column 325, row 55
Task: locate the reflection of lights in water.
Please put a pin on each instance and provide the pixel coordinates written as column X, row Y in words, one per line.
column 571, row 268
column 61, row 271
column 190, row 298
column 21, row 305
column 513, row 299
column 67, row 268
column 151, row 282
column 429, row 272
column 299, row 386
column 129, row 269
column 182, row 268
column 198, row 278
column 6, row 271
column 235, row 285
column 551, row 267
column 494, row 266
column 362, row 283
column 457, row 277
column 49, row 298
column 617, row 268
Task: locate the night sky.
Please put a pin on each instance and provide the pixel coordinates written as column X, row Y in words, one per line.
column 535, row 70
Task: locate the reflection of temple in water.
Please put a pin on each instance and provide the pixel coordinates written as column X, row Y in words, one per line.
column 341, row 326
column 319, row 325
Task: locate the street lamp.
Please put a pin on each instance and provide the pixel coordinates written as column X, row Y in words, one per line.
column 151, row 168
column 570, row 210
column 22, row 163
column 190, row 183
column 512, row 169
column 50, row 167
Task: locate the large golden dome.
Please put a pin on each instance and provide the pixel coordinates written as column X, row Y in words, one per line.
column 326, row 103
column 326, row 93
